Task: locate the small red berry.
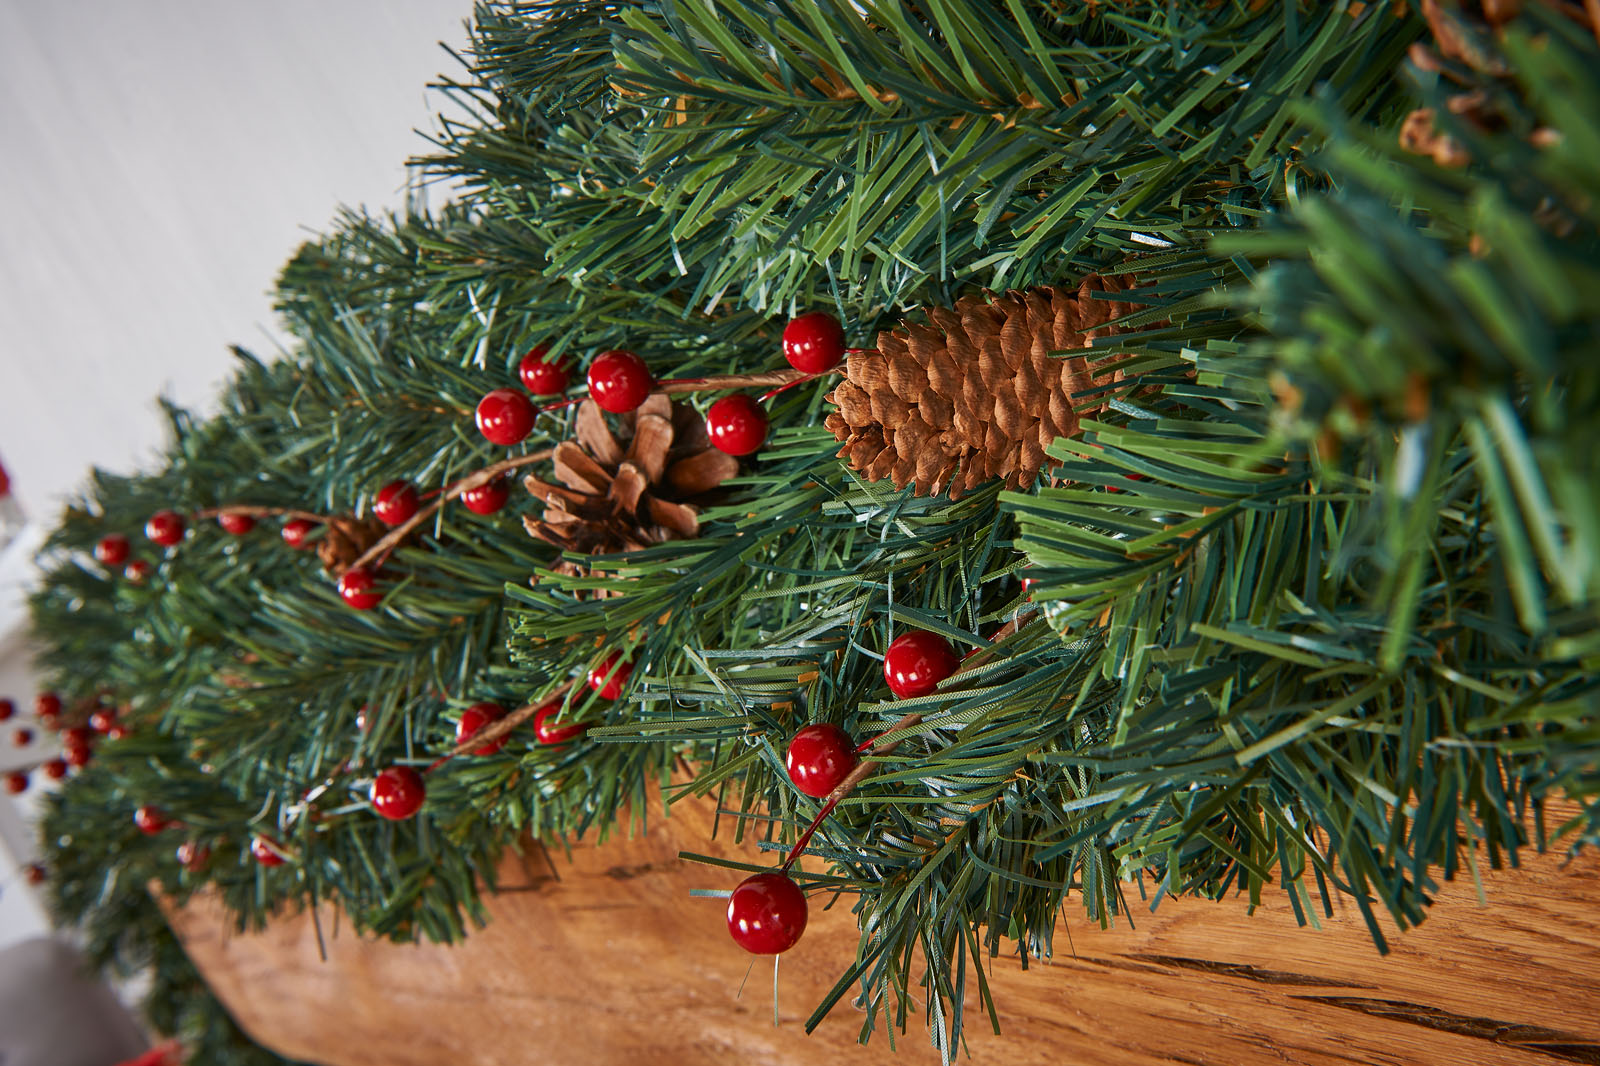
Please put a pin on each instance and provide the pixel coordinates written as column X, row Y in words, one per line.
column 79, row 736
column 474, row 719
column 820, row 756
column 78, row 757
column 22, row 737
column 137, row 571
column 7, row 709
column 46, row 705
column 37, row 874
column 397, row 793
column 813, row 342
column 916, row 662
column 266, row 851
column 192, row 856
column 505, row 417
column 362, row 721
column 549, row 731
column 487, row 499
column 619, row 381
column 55, row 769
column 396, row 502
column 165, row 528
column 113, row 549
column 609, row 684
column 296, row 530
column 102, row 720
column 359, row 588
column 16, row 782
column 150, row 820
column 767, row 913
column 118, row 732
column 237, row 524
column 737, row 425
column 544, row 377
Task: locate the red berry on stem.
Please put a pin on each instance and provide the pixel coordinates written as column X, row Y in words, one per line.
column 359, row 588
column 397, row 793
column 150, row 820
column 237, row 524
column 46, row 705
column 22, row 737
column 396, row 502
column 118, row 732
column 296, row 530
column 549, row 731
column 16, row 782
column 473, row 721
column 192, row 855
column 543, row 377
column 77, row 757
column 265, row 851
column 165, row 528
column 619, row 381
column 767, row 913
column 102, row 720
column 505, row 417
column 7, row 709
column 916, row 662
column 487, row 499
column 112, row 549
column 137, row 571
column 55, row 769
column 79, row 736
column 813, row 342
column 820, row 756
column 609, row 684
column 737, row 425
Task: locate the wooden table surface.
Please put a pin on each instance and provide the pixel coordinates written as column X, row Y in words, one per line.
column 615, row 963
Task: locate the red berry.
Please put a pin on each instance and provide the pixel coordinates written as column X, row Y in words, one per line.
column 767, row 913
column 137, row 571
column 619, row 381
column 543, row 377
column 112, row 550
column 505, row 417
column 487, row 499
column 36, row 874
column 55, row 769
column 192, row 856
column 165, row 528
column 102, row 720
column 7, row 709
column 359, row 588
column 396, row 502
column 813, row 342
column 548, row 731
column 736, row 425
column 77, row 757
column 118, row 732
column 46, row 705
column 79, row 736
column 22, row 737
column 609, row 684
column 296, row 530
column 397, row 793
column 16, row 782
column 237, row 524
column 474, row 719
column 361, row 719
column 265, row 849
column 820, row 756
column 916, row 662
column 150, row 820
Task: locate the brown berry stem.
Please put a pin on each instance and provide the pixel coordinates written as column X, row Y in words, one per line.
column 497, row 729
column 254, row 511
column 862, row 771
column 734, row 381
column 374, row 556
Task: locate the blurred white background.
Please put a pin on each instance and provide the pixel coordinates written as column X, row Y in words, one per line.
column 159, row 160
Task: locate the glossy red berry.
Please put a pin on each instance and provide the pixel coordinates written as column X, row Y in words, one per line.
column 544, row 377
column 359, row 588
column 79, row 736
column 150, row 820
column 77, row 757
column 118, row 732
column 102, row 720
column 474, row 719
column 237, row 524
column 397, row 793
column 192, row 856
column 916, row 662
column 55, row 769
column 395, row 502
column 7, row 709
column 505, row 417
column 609, row 684
column 165, row 528
column 487, row 499
column 550, row 731
column 112, row 550
column 813, row 342
column 36, row 874
column 296, row 530
column 737, row 425
column 46, row 705
column 16, row 782
column 820, row 756
column 22, row 737
column 265, row 850
column 137, row 571
column 619, row 381
column 767, row 913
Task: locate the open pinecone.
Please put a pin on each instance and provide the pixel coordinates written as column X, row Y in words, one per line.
column 614, row 498
column 346, row 539
column 976, row 393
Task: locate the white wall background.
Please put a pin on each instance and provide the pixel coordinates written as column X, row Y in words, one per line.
column 159, row 160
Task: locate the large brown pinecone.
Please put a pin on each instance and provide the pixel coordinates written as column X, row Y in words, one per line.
column 345, row 539
column 976, row 393
column 614, row 497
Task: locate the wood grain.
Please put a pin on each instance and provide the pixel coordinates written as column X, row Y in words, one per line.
column 614, row 963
